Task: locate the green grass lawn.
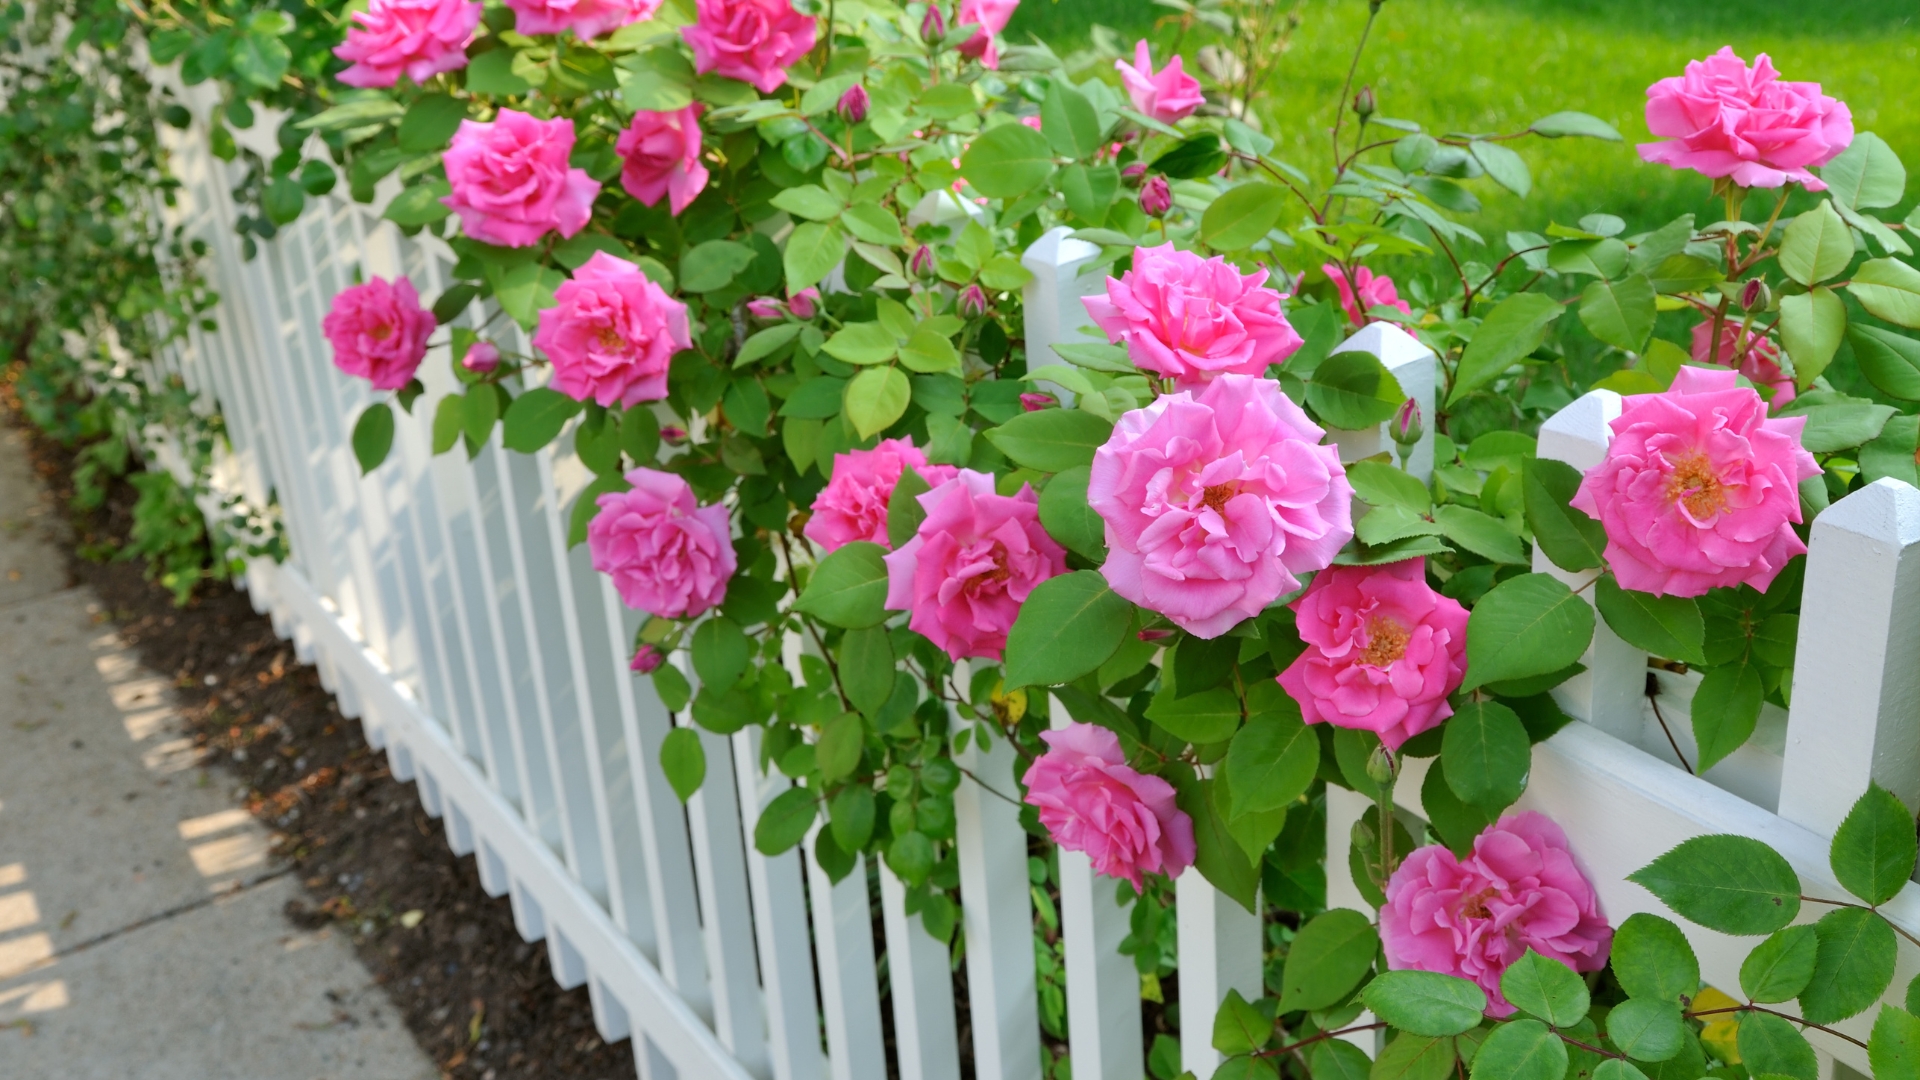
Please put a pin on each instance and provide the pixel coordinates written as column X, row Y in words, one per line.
column 1495, row 65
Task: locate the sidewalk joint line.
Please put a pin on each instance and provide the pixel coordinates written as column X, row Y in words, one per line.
column 159, row 917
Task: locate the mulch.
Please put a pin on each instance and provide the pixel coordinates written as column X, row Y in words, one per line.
column 481, row 1002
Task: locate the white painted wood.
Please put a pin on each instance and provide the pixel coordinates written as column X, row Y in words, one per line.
column 779, row 926
column 920, row 978
column 1051, row 300
column 996, row 907
column 1856, row 676
column 1220, row 950
column 843, row 953
column 726, row 913
column 1418, row 371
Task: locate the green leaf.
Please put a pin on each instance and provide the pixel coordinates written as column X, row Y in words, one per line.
column 1653, row 960
column 714, row 264
column 1354, row 390
column 1242, row 215
column 1329, row 956
column 851, row 816
column 260, row 60
column 1621, row 312
column 1771, row 1046
column 1487, row 754
column 1426, row 1002
column 525, row 289
column 1337, row 1059
column 672, row 687
column 812, row 252
column 1380, row 484
column 1520, row 1050
column 1666, row 626
column 1604, row 257
column 1732, row 884
column 1454, row 821
column 1068, row 626
column 1089, row 191
column 1726, row 708
column 1218, row 854
column 1515, row 327
column 1617, row 1069
column 1780, row 967
column 372, row 110
column 1415, row 1057
column 480, row 412
column 574, row 252
column 1051, row 440
column 419, row 204
column 876, row 398
column 586, row 507
column 535, row 418
column 1008, row 161
column 1209, row 716
column 1507, row 168
column 373, row 436
column 1192, row 158
column 283, row 200
column 1684, row 274
column 1067, row 517
column 1816, row 246
column 1271, row 761
column 491, row 74
column 1068, row 121
column 721, row 653
column 809, row 201
column 1889, row 289
column 1874, row 850
column 1852, row 966
column 1647, row 1030
column 1893, row 1050
column 1811, row 325
column 911, row 856
column 1482, row 534
column 1527, row 625
column 873, row 224
column 765, row 343
column 1545, row 988
column 1890, row 361
column 684, row 760
column 930, row 352
column 430, row 123
column 448, row 417
column 1866, row 175
column 842, row 739
column 862, row 343
column 1569, row 537
column 867, row 668
column 848, row 588
column 1239, row 1028
column 784, row 822
column 904, row 512
column 1562, row 124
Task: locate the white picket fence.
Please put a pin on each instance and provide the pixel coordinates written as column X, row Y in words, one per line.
column 442, row 606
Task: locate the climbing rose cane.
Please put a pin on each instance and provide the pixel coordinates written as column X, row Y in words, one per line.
column 754, row 41
column 1383, row 651
column 1761, row 364
column 660, row 156
column 378, row 332
column 1190, row 319
column 972, row 563
column 853, row 506
column 1169, row 95
column 1090, row 801
column 1474, row 917
column 1214, row 503
column 415, row 38
column 611, row 334
column 667, row 555
column 587, row 19
column 1725, row 119
column 1699, row 488
column 511, row 181
column 1365, row 292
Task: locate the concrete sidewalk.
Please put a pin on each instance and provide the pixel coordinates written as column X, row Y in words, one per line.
column 141, row 933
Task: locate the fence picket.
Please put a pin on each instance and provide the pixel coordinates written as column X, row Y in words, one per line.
column 779, row 926
column 849, row 984
column 1220, row 950
column 713, row 820
column 997, row 911
column 920, row 979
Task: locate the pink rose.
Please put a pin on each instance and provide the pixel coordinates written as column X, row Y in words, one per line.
column 415, row 38
column 1761, row 364
column 1089, row 800
column 1474, row 917
column 1190, row 319
column 1169, row 95
column 1374, row 290
column 511, row 182
column 991, row 17
column 660, row 155
column 1727, row 119
column 379, row 332
column 667, row 555
column 1383, row 651
column 853, row 506
column 754, row 41
column 972, row 563
column 1213, row 504
column 587, row 19
column 646, row 660
column 611, row 333
column 1699, row 488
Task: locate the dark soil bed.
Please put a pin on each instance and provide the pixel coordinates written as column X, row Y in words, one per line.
column 481, row 1002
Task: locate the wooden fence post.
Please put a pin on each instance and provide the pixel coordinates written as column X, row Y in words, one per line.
column 1417, row 370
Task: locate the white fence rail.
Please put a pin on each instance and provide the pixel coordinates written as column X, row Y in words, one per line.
column 440, row 602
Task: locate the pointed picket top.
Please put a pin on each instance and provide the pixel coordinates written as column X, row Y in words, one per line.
column 1579, row 433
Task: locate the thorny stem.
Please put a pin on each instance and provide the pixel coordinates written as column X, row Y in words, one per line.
column 1286, row 182
column 1346, row 88
column 1498, row 268
column 1384, row 801
column 1653, row 689
column 1760, row 250
column 1802, row 1021
column 1321, row 1037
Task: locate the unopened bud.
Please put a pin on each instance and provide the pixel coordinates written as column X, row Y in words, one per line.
column 804, row 303
column 1155, row 635
column 922, row 263
column 482, row 357
column 1362, row 835
column 1406, row 427
column 673, row 434
column 973, row 302
column 1380, row 766
column 1363, row 102
column 647, row 660
column 934, row 26
column 853, row 104
column 1036, row 402
column 1155, row 197
column 1756, row 296
column 765, row 307
column 1135, row 170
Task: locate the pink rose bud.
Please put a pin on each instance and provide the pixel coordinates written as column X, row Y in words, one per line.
column 1406, row 428
column 1169, row 95
column 934, row 26
column 612, row 333
column 587, row 19
column 991, row 17
column 667, row 555
column 512, row 184
column 482, row 357
column 1031, row 121
column 1091, row 801
column 647, row 660
column 1150, row 309
column 766, row 307
column 1383, row 651
column 853, row 104
column 415, row 38
column 755, row 41
column 1365, row 292
column 974, row 560
column 660, row 156
column 1155, row 197
column 1726, row 119
column 1135, row 170
column 379, row 332
column 922, row 264
column 805, row 303
column 1699, row 489
column 1363, row 102
column 1755, row 296
column 1036, row 402
column 853, row 505
column 1254, row 503
column 973, row 302
column 1760, row 364
column 672, row 433
column 1154, row 635
column 1473, row 917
